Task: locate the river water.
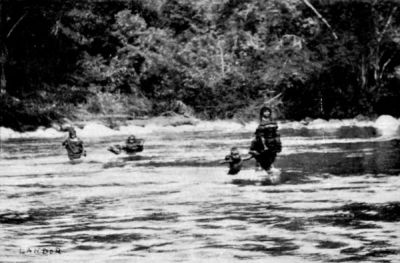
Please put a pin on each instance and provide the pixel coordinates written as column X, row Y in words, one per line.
column 338, row 201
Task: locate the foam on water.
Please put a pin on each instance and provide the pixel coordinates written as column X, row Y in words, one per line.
column 387, row 126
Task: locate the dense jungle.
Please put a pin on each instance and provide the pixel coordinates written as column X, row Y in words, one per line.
column 213, row 59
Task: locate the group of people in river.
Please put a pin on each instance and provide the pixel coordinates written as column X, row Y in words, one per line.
column 75, row 148
column 264, row 147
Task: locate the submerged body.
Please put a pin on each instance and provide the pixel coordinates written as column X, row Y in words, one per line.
column 74, row 146
column 235, row 162
column 132, row 146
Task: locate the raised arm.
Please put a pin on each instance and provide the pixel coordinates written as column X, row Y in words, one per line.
column 248, row 157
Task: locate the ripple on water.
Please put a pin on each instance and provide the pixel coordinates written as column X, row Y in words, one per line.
column 173, row 204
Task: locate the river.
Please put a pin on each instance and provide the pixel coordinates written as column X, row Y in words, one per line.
column 338, row 200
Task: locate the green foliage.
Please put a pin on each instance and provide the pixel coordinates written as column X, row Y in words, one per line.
column 224, row 59
column 29, row 114
column 109, row 104
column 357, row 69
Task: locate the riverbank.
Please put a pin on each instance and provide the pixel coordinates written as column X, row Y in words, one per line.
column 385, row 126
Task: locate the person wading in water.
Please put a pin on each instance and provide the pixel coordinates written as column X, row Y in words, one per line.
column 266, row 144
column 234, row 160
column 132, row 145
column 74, row 145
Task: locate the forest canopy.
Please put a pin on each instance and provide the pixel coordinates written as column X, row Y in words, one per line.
column 221, row 58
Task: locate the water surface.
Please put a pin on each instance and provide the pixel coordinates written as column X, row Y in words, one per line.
column 338, row 201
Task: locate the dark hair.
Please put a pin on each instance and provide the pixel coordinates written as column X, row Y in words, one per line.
column 131, row 138
column 71, row 130
column 263, row 110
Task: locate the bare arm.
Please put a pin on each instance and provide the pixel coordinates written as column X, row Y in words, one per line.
column 228, row 159
column 248, row 158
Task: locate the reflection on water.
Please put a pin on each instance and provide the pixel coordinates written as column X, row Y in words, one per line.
column 338, row 201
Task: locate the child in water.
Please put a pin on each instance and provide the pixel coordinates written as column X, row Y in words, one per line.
column 235, row 161
column 74, row 145
column 132, row 145
column 266, row 143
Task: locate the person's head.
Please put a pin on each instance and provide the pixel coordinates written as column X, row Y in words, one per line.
column 72, row 132
column 131, row 139
column 265, row 113
column 234, row 151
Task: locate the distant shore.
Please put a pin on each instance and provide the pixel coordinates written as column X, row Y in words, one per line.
column 175, row 120
column 114, row 122
column 385, row 125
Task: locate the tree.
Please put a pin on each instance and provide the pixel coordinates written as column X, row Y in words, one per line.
column 5, row 33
